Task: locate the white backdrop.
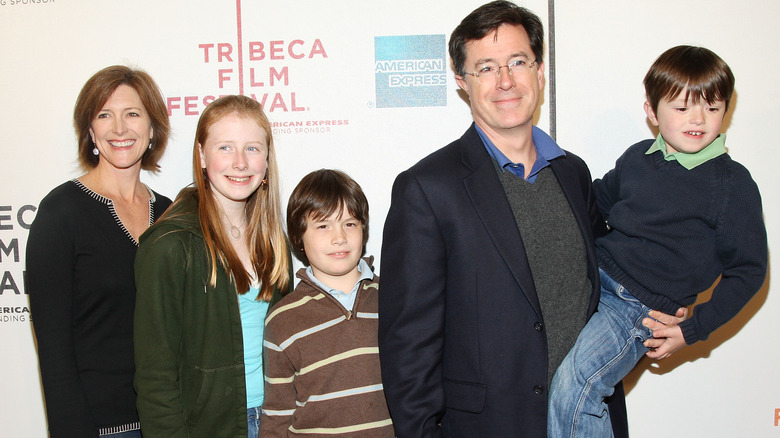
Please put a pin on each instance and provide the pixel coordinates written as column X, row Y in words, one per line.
column 316, row 64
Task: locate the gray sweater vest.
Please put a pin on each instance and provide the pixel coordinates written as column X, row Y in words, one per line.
column 556, row 255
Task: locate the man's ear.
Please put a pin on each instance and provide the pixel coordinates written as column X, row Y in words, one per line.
column 540, row 75
column 461, row 81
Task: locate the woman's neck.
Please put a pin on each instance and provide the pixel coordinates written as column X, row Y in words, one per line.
column 117, row 185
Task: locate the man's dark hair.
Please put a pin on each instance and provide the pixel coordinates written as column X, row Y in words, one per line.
column 489, row 17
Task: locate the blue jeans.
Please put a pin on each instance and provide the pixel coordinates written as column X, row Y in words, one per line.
column 607, row 349
column 253, row 421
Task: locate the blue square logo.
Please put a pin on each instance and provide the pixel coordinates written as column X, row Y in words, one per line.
column 410, row 71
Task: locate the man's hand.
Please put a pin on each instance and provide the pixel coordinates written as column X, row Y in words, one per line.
column 667, row 335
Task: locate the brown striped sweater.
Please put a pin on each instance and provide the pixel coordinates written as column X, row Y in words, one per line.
column 322, row 375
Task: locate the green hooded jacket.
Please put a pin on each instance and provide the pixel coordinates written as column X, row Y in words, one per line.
column 189, row 353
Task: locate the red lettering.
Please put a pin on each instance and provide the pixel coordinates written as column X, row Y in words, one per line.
column 262, row 101
column 190, row 105
column 290, row 49
column 317, row 49
column 252, row 80
column 777, row 417
column 278, row 103
column 256, row 52
column 171, row 105
column 206, row 48
column 223, row 76
column 225, row 49
column 276, row 49
column 292, row 103
column 275, row 75
column 279, row 75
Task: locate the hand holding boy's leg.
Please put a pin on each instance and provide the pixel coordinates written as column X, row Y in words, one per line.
column 667, row 335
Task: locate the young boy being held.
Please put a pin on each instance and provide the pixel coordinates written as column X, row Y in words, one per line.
column 321, row 350
column 681, row 213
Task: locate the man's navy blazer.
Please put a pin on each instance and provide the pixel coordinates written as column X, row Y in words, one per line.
column 461, row 335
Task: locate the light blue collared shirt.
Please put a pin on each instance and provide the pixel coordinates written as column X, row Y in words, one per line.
column 546, row 150
column 346, row 300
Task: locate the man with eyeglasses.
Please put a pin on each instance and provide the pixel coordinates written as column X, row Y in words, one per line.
column 488, row 264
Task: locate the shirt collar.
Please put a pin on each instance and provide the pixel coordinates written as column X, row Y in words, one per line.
column 546, row 150
column 363, row 268
column 689, row 161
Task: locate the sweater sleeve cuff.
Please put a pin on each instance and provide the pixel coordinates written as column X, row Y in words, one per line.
column 689, row 332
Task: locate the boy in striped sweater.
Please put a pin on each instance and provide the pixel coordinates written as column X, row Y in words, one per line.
column 322, row 375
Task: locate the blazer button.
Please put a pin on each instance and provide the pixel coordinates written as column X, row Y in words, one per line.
column 538, row 389
column 538, row 326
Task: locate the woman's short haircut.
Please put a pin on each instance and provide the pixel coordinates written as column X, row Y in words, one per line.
column 96, row 93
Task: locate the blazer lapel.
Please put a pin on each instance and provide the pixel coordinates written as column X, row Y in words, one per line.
column 487, row 194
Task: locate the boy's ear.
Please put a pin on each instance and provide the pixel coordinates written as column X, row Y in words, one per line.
column 651, row 114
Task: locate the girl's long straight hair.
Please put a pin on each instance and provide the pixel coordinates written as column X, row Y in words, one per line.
column 268, row 250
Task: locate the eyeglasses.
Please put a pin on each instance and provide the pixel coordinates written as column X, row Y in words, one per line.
column 492, row 71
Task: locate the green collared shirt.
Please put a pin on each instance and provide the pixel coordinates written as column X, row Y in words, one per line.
column 689, row 161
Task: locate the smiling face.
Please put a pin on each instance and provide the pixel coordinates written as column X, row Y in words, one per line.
column 507, row 102
column 121, row 130
column 333, row 246
column 235, row 157
column 685, row 126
